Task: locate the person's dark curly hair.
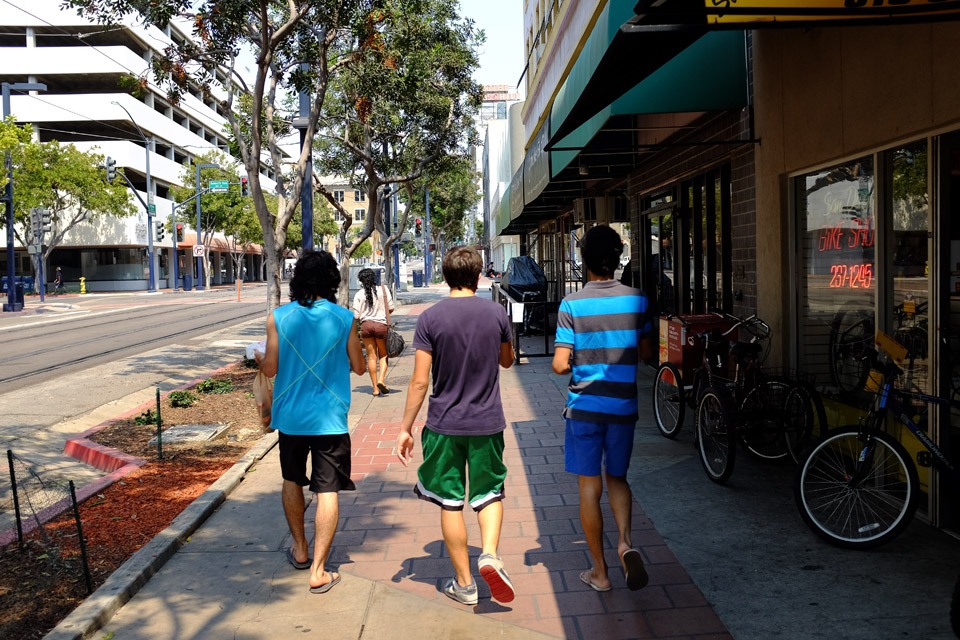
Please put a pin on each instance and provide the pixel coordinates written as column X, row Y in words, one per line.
column 315, row 276
column 368, row 280
column 601, row 249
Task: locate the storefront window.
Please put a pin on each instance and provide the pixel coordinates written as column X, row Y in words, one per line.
column 837, row 289
column 910, row 273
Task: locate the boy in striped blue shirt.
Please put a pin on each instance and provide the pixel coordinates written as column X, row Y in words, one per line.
column 606, row 328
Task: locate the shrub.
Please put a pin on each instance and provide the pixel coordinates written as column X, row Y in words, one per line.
column 147, row 417
column 214, row 386
column 250, row 363
column 182, row 398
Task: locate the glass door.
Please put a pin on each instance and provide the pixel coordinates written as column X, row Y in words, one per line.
column 948, row 342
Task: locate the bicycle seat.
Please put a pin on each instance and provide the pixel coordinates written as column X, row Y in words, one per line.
column 743, row 350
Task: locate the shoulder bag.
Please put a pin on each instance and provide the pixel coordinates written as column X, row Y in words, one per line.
column 395, row 343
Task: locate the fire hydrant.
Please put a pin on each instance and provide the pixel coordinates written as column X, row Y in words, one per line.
column 83, row 286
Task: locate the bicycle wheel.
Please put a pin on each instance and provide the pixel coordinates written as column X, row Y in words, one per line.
column 668, row 400
column 856, row 491
column 716, row 433
column 762, row 416
column 851, row 342
column 699, row 384
column 805, row 418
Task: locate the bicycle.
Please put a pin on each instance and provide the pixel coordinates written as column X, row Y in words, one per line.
column 772, row 416
column 857, row 487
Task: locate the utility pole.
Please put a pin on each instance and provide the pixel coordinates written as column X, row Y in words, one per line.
column 12, row 304
column 200, row 259
column 151, row 207
column 426, row 242
column 396, row 244
column 306, row 192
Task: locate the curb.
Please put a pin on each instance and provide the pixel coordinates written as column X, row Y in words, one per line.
column 124, row 583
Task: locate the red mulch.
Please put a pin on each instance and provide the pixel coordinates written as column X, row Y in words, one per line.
column 42, row 581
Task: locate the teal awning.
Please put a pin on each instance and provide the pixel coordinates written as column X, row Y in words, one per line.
column 709, row 75
column 503, row 212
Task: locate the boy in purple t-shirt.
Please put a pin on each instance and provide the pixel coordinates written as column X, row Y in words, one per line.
column 462, row 340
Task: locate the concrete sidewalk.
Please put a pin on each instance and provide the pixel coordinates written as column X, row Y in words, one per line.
column 232, row 580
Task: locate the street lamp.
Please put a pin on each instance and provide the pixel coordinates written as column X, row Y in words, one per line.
column 12, row 304
column 150, row 206
column 200, row 286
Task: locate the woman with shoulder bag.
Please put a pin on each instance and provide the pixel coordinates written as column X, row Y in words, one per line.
column 371, row 306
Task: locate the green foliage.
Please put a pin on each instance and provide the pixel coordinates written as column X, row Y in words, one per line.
column 147, row 417
column 453, row 197
column 324, row 225
column 212, row 386
column 182, row 398
column 60, row 178
column 251, row 363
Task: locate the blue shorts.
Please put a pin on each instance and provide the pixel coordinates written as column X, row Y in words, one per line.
column 590, row 443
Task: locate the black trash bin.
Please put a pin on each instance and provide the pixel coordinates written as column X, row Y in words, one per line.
column 187, row 282
column 18, row 291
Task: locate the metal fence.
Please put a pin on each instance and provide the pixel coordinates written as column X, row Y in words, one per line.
column 34, row 502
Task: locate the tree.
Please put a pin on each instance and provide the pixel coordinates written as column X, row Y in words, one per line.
column 61, row 178
column 242, row 229
column 217, row 210
column 324, row 225
column 295, row 45
column 453, row 196
column 399, row 105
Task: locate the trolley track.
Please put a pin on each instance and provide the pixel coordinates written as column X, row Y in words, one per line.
column 122, row 348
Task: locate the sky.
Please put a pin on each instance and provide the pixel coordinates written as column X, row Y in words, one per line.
column 501, row 56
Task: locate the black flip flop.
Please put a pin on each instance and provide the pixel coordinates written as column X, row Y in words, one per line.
column 633, row 566
column 383, row 389
column 326, row 587
column 296, row 564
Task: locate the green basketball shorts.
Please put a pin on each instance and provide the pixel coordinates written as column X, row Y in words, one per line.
column 448, row 463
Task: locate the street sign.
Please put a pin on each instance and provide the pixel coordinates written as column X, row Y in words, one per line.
column 33, row 249
column 406, row 237
column 219, row 186
column 198, row 251
column 152, row 209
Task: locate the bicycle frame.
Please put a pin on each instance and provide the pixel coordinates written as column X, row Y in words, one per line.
column 888, row 400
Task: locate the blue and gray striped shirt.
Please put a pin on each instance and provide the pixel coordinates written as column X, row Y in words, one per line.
column 603, row 323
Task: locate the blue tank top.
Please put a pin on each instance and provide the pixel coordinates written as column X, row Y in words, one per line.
column 311, row 394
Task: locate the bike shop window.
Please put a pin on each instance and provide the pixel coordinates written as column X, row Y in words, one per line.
column 836, row 246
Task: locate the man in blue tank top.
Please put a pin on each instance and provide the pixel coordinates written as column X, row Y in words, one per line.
column 605, row 327
column 312, row 346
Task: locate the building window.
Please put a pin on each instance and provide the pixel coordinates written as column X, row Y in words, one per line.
column 359, row 196
column 337, row 215
column 359, row 214
column 836, row 240
column 338, row 196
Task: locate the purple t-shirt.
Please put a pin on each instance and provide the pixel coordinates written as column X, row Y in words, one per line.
column 464, row 336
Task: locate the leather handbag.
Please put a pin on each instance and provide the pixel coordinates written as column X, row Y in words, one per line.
column 395, row 342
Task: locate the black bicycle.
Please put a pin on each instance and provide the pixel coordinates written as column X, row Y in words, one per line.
column 857, row 487
column 772, row 415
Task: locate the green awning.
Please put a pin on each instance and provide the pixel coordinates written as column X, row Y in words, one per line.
column 709, row 75
column 503, row 213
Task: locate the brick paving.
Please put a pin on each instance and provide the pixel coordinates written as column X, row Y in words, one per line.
column 387, row 534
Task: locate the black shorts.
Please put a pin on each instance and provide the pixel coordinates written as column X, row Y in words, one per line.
column 329, row 457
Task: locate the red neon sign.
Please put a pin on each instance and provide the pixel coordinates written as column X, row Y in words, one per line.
column 854, row 276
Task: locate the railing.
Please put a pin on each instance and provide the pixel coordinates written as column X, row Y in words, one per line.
column 529, row 320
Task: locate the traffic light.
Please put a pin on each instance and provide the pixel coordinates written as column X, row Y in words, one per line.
column 160, row 230
column 243, row 187
column 46, row 224
column 111, row 169
column 179, row 232
column 418, row 226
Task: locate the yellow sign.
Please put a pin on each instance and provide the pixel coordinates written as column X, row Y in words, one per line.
column 766, row 11
column 893, row 348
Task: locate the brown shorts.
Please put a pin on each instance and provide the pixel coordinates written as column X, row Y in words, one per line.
column 373, row 329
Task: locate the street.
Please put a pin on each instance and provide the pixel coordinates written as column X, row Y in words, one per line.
column 72, row 333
